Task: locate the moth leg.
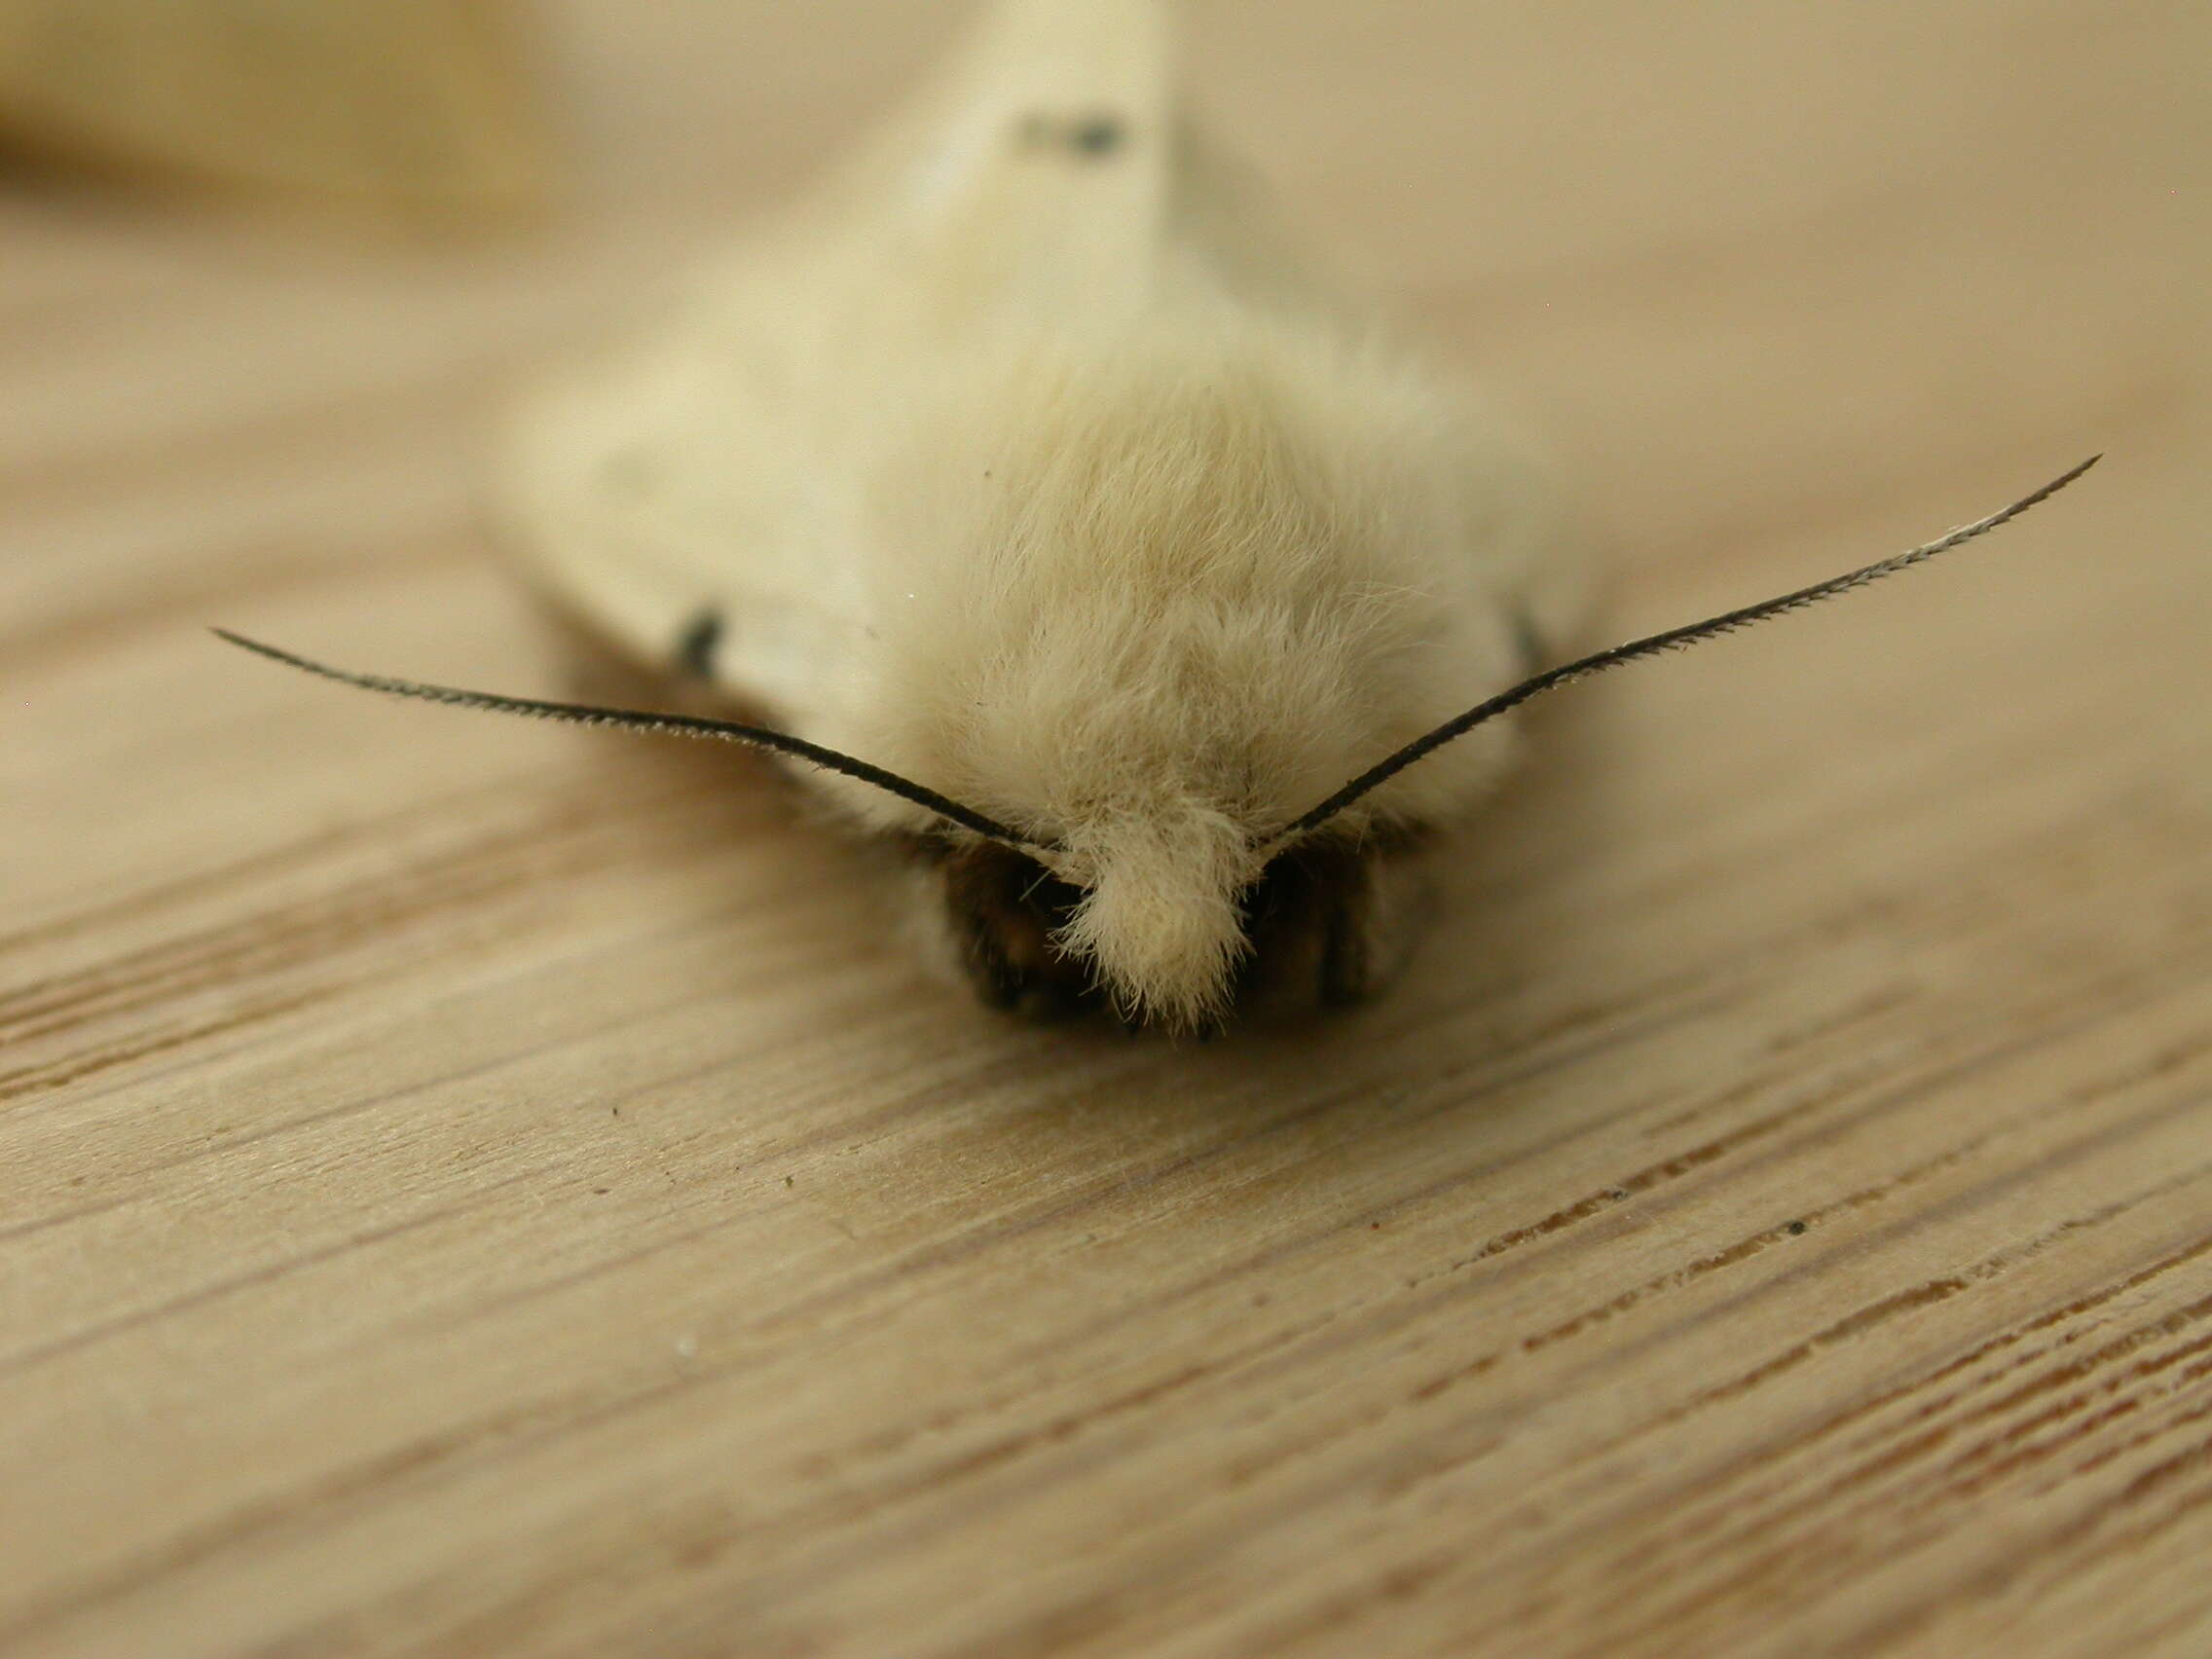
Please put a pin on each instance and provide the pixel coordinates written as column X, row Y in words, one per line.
column 1371, row 937
column 1331, row 924
column 1000, row 911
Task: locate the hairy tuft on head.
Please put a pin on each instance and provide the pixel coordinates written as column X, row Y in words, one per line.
column 1161, row 923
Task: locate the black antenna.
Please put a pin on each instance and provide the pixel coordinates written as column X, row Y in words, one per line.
column 1672, row 640
column 634, row 720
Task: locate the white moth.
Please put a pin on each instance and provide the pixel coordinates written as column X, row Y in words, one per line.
column 1084, row 542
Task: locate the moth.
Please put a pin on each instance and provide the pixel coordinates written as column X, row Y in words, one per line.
column 1078, row 538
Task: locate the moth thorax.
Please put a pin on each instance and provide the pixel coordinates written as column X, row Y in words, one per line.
column 1161, row 922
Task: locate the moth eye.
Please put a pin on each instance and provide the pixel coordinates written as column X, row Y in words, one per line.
column 696, row 644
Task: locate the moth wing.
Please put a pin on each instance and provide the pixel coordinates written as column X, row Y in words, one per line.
column 1033, row 173
column 686, row 493
column 690, row 493
column 1054, row 171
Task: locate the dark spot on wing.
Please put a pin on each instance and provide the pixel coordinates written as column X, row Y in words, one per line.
column 1099, row 135
column 1089, row 137
column 695, row 646
column 1535, row 650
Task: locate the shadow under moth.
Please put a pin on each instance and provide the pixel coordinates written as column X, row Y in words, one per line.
column 1074, row 535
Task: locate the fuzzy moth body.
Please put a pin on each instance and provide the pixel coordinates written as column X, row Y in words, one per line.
column 1079, row 536
column 1027, row 459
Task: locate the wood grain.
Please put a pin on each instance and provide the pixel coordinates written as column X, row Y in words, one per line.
column 470, row 1189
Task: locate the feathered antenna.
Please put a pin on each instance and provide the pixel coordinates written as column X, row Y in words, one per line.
column 831, row 760
column 636, row 719
column 1673, row 639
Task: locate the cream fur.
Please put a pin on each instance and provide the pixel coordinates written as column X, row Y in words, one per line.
column 1056, row 485
column 1150, row 593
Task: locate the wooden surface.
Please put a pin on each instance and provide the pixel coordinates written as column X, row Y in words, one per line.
column 473, row 1189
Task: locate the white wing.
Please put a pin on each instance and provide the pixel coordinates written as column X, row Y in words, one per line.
column 688, row 495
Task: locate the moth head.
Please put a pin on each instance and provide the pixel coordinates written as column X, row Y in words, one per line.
column 1161, row 920
column 1310, row 926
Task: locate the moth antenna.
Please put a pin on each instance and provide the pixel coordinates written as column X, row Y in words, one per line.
column 1673, row 639
column 637, row 720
